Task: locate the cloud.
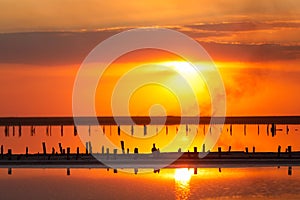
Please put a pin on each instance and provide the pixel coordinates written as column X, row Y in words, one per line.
column 63, row 48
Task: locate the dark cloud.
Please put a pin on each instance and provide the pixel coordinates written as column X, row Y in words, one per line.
column 251, row 53
column 49, row 48
column 242, row 26
column 59, row 48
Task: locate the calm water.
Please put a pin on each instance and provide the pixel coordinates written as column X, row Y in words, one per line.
column 247, row 183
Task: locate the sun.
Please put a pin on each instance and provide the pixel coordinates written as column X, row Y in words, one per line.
column 183, row 175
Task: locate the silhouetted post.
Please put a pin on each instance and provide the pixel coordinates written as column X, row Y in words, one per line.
column 13, row 130
column 229, row 148
column 6, row 131
column 9, row 171
column 103, row 129
column 123, row 147
column 68, row 153
column 20, row 130
column 290, row 151
column 195, row 150
column 90, row 130
column 53, row 150
column 136, row 170
column 127, row 150
column 119, row 130
column 107, row 153
column 220, row 169
column 246, row 150
column 77, row 153
column 47, row 130
column 136, row 152
column 220, row 151
column 203, row 148
column 290, row 171
column 102, row 149
column 9, row 153
column 75, row 131
column 115, row 171
column 287, row 129
column 273, row 130
column 145, row 130
column 186, row 129
column 253, row 149
column 60, row 148
column 167, row 130
column 62, row 130
column 230, row 129
column 132, row 130
column 2, row 151
column 87, row 148
column 68, row 172
column 267, row 129
column 245, row 129
column 195, row 170
column 90, row 147
column 115, row 153
column 279, row 150
column 257, row 129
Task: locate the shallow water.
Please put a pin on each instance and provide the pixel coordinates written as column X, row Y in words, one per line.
column 237, row 183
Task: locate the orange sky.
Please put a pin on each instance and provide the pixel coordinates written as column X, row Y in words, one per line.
column 254, row 45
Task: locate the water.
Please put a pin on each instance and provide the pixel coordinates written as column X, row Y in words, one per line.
column 237, row 183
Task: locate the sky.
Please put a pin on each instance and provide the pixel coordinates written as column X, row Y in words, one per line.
column 255, row 46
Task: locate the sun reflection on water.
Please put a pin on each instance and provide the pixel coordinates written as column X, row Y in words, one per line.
column 182, row 179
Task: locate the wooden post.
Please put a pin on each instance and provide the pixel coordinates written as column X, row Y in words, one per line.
column 115, row 171
column 9, row 171
column 9, row 153
column 257, row 129
column 231, row 129
column 253, row 149
column 77, row 153
column 53, row 151
column 136, row 152
column 119, row 130
column 127, row 150
column 60, row 148
column 195, row 149
column 290, row 151
column 123, row 147
column 220, row 151
column 75, row 131
column 68, row 153
column 245, row 130
column 86, row 148
column 44, row 148
column 68, row 172
column 290, row 171
column 167, row 130
column 20, row 130
column 13, row 130
column 203, row 148
column 132, row 130
column 115, row 153
column 273, row 129
column 26, row 151
column 90, row 147
column 279, row 150
column 195, row 171
column 145, row 130
column 229, row 148
column 2, row 151
column 246, row 149
column 103, row 149
column 107, row 153
column 62, row 130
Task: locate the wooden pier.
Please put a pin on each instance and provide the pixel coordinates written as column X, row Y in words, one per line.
column 142, row 120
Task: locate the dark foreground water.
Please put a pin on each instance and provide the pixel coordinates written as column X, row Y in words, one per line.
column 237, row 183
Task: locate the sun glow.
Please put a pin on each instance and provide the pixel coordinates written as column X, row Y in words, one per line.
column 183, row 175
